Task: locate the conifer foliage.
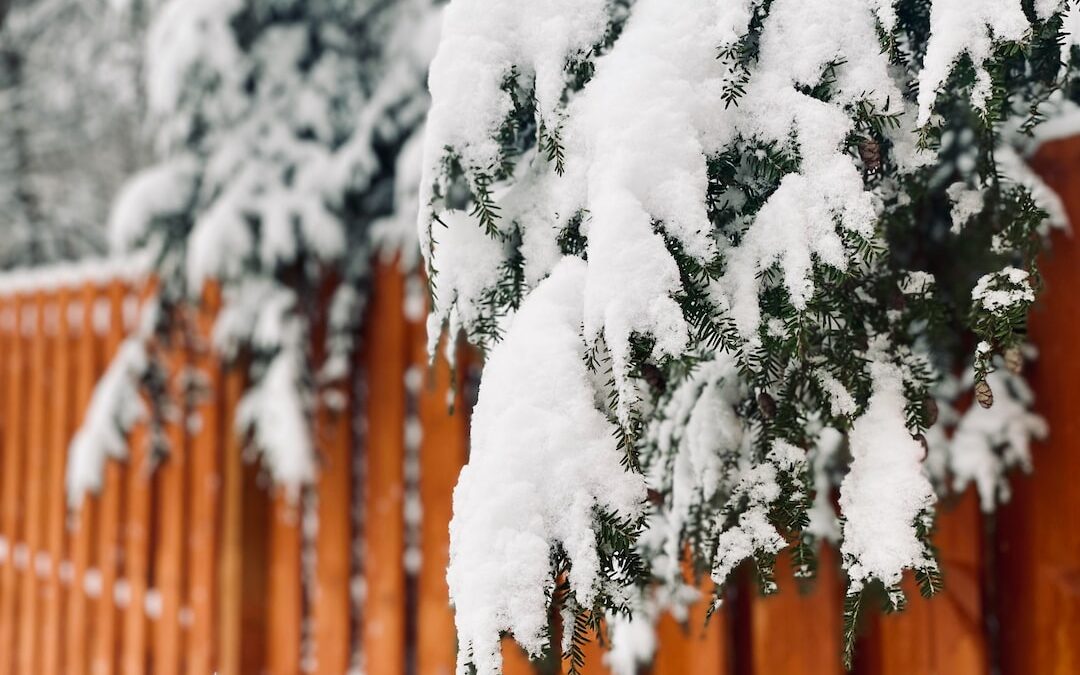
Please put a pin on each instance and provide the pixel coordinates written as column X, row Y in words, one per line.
column 279, row 125
column 726, row 258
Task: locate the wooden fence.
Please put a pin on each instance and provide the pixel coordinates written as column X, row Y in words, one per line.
column 196, row 566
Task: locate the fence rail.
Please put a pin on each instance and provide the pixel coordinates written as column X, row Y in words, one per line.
column 196, row 566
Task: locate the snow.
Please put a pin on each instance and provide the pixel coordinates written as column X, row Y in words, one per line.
column 886, row 14
column 96, row 271
column 841, row 402
column 967, row 202
column 467, row 261
column 482, row 42
column 273, row 410
column 696, row 439
column 1044, row 9
column 824, row 523
column 987, row 443
column 114, row 409
column 636, row 141
column 396, row 233
column 886, row 490
column 1000, row 292
column 829, row 187
column 186, row 36
column 639, row 166
column 633, row 643
column 754, row 531
column 543, row 459
column 1063, row 122
column 1013, row 168
column 917, row 282
column 971, row 28
column 1070, row 28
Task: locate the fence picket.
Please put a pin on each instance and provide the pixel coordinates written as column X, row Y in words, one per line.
column 693, row 647
column 36, row 466
column 171, row 487
column 944, row 634
column 515, row 662
column 232, row 525
column 387, row 348
column 85, row 517
column 13, row 488
column 136, row 531
column 60, row 425
column 109, row 557
column 1038, row 590
column 255, row 591
column 202, row 541
column 443, row 451
column 7, row 342
column 333, row 545
column 286, row 594
column 809, row 622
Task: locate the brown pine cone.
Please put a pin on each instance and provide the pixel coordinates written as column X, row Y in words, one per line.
column 931, row 406
column 984, row 394
column 767, row 405
column 870, row 153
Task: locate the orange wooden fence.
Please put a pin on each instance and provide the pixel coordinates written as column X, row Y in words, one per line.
column 196, row 566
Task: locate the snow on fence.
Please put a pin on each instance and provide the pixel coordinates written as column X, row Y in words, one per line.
column 196, row 567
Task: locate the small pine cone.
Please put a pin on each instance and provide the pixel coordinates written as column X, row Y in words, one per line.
column 925, row 446
column 870, row 153
column 654, row 497
column 767, row 405
column 1014, row 360
column 655, row 377
column 984, row 394
column 931, row 407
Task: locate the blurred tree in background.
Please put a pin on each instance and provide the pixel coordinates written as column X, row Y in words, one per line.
column 284, row 135
column 70, row 110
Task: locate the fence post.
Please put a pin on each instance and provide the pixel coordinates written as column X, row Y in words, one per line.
column 331, row 603
column 36, row 468
column 245, row 548
column 386, row 349
column 333, row 545
column 136, row 532
column 693, row 647
column 85, row 518
column 945, row 633
column 172, row 473
column 334, row 542
column 242, row 619
column 59, row 433
column 1038, row 542
column 8, row 328
column 797, row 632
column 12, row 482
column 257, row 514
column 231, row 612
column 103, row 657
column 286, row 593
column 205, row 490
column 443, row 451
